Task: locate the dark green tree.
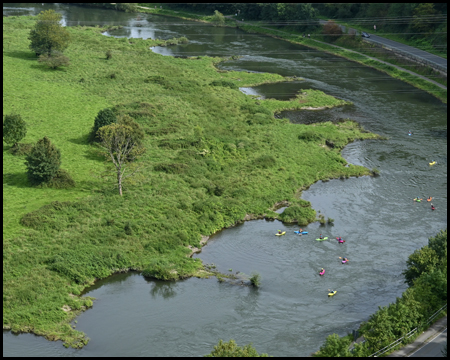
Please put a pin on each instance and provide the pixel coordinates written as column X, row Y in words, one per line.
column 104, row 117
column 231, row 349
column 14, row 129
column 334, row 346
column 43, row 162
column 48, row 34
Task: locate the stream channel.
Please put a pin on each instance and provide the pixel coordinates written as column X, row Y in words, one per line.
column 290, row 314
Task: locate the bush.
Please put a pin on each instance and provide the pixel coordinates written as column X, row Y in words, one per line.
column 255, row 279
column 218, row 18
column 230, row 349
column 108, row 54
column 14, row 129
column 331, row 31
column 309, row 135
column 61, row 180
column 104, row 117
column 224, row 83
column 301, row 214
column 55, row 60
column 43, row 162
column 265, row 161
column 21, row 149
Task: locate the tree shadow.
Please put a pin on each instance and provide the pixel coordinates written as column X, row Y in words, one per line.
column 17, row 54
column 18, row 180
column 82, row 140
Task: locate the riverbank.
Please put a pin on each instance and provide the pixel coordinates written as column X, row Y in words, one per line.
column 395, row 71
column 213, row 155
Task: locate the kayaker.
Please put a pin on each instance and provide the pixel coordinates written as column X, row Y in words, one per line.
column 432, row 207
column 321, row 272
column 300, row 232
column 340, row 240
column 320, row 236
column 429, row 198
column 279, row 231
column 344, row 260
column 409, row 133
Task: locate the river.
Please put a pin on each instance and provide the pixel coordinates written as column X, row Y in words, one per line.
column 290, row 314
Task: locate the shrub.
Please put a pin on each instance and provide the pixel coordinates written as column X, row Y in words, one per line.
column 224, row 83
column 14, row 129
column 43, row 162
column 309, row 135
column 55, row 60
column 61, row 180
column 265, row 161
column 230, row 349
column 255, row 279
column 128, row 228
column 21, row 149
column 108, row 54
column 331, row 31
column 104, row 117
column 301, row 214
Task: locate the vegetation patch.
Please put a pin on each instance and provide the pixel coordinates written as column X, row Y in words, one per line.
column 212, row 155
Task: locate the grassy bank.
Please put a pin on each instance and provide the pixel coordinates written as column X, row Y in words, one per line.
column 212, row 156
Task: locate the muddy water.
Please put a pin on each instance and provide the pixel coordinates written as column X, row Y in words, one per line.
column 290, row 314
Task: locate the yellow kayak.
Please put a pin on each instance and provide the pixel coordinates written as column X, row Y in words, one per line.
column 432, row 163
column 332, row 293
column 284, row 232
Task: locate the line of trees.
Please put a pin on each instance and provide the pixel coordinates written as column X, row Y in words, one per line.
column 415, row 21
column 426, row 275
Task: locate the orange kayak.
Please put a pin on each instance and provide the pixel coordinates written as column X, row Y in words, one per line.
column 429, row 199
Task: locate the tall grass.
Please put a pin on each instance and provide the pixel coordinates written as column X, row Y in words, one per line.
column 213, row 156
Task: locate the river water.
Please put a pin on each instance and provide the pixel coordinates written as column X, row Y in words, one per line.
column 290, row 314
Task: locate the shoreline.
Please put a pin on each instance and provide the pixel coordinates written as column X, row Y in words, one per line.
column 380, row 65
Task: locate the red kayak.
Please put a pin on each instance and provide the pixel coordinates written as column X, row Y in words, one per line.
column 340, row 241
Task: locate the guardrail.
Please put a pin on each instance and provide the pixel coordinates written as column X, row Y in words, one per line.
column 407, row 336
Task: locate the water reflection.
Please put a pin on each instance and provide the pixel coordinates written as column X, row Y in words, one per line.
column 166, row 289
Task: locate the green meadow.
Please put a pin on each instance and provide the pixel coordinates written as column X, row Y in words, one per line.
column 213, row 155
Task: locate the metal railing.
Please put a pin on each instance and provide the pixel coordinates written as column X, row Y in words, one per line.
column 408, row 335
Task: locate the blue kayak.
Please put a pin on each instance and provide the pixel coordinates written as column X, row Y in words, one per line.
column 298, row 232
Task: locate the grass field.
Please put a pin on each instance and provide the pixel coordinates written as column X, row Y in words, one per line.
column 212, row 156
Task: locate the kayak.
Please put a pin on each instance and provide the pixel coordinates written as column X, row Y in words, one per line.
column 322, row 272
column 332, row 293
column 298, row 232
column 340, row 241
column 418, row 200
column 432, row 163
column 344, row 261
column 430, row 199
column 433, row 208
column 284, row 232
column 325, row 238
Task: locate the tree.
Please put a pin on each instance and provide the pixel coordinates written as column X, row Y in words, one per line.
column 230, row 349
column 120, row 147
column 43, row 162
column 334, row 346
column 14, row 129
column 218, row 18
column 104, row 117
column 48, row 34
column 332, row 31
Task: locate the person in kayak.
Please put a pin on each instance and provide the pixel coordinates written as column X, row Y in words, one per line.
column 432, row 207
column 340, row 240
column 429, row 198
column 417, row 199
column 279, row 231
column 300, row 232
column 321, row 272
column 320, row 236
column 409, row 133
column 344, row 260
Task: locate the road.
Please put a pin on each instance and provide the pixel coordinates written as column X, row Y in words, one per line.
column 433, row 348
column 410, row 51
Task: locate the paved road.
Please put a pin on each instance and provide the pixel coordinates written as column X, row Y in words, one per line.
column 433, row 348
column 437, row 61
